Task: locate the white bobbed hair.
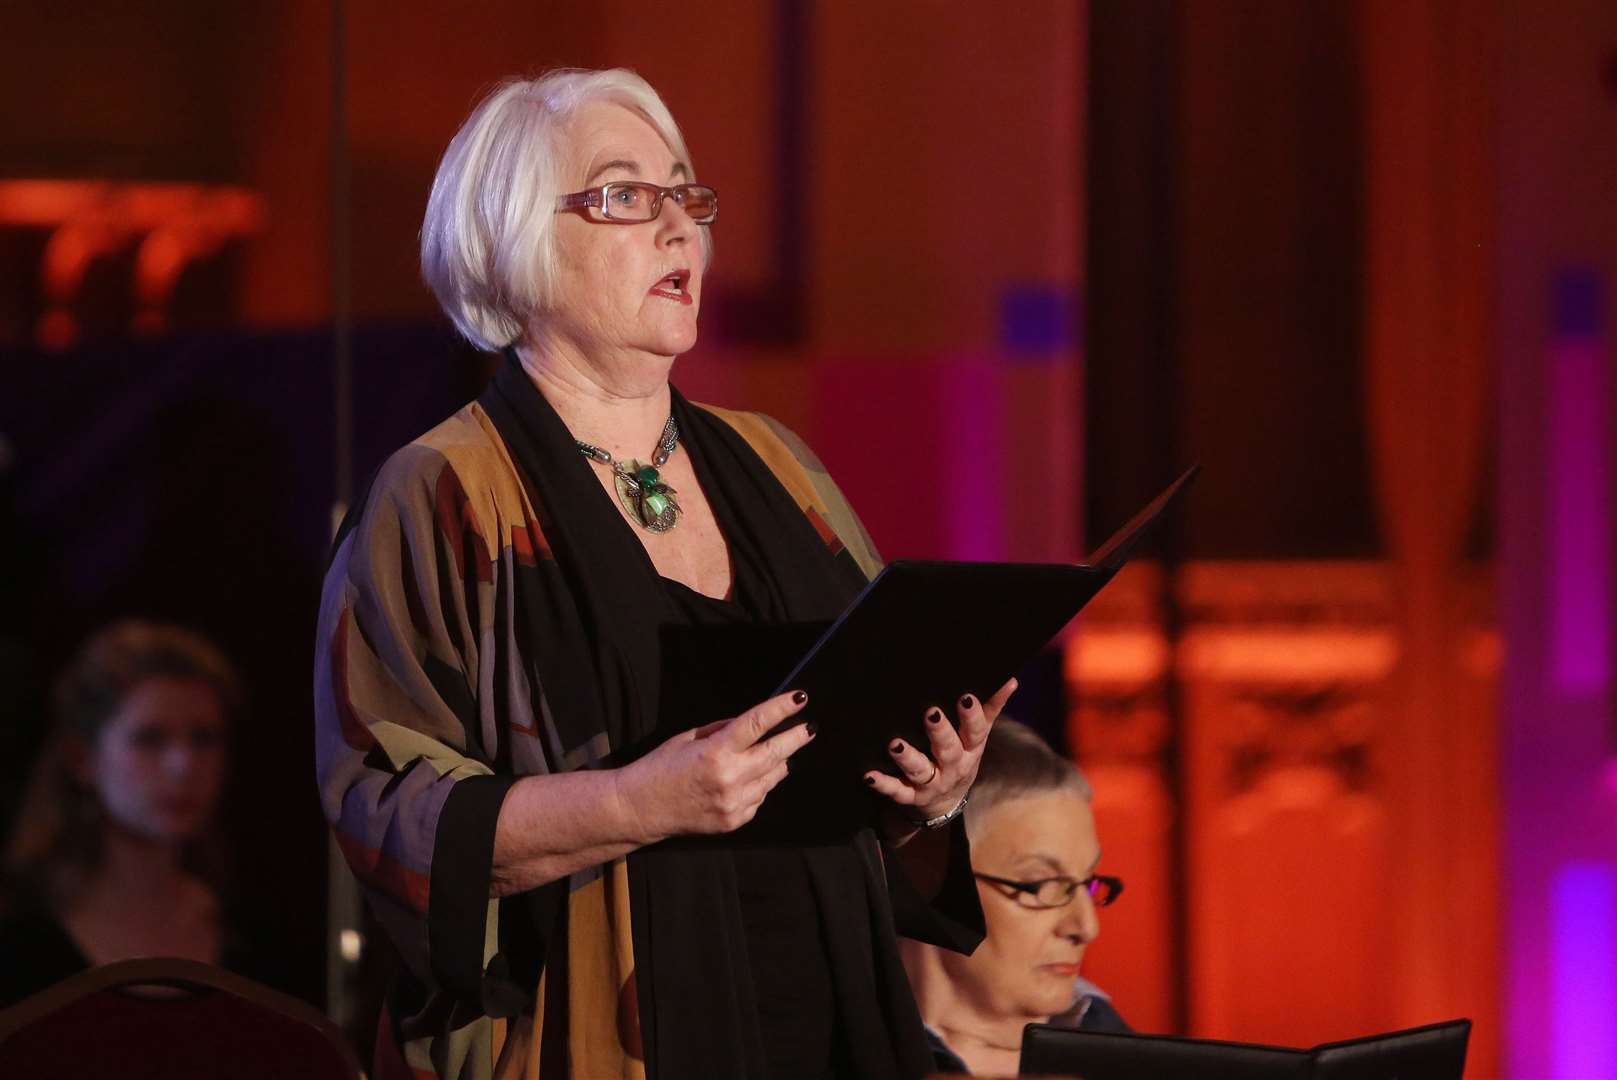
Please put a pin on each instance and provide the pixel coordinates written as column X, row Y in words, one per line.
column 488, row 240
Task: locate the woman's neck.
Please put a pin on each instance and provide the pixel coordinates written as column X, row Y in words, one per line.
column 136, row 866
column 967, row 1025
column 141, row 902
column 619, row 406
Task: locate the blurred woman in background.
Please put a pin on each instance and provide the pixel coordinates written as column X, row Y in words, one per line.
column 1034, row 853
column 113, row 855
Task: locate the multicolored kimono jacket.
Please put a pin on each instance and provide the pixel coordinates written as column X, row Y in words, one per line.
column 468, row 637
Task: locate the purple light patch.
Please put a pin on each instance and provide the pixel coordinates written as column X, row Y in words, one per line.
column 1038, row 320
column 1580, row 487
column 1583, row 1006
column 1577, row 304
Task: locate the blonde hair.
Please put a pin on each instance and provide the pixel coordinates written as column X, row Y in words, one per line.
column 488, row 238
column 56, row 844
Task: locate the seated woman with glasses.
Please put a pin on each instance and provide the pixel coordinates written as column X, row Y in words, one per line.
column 1034, row 853
column 564, row 878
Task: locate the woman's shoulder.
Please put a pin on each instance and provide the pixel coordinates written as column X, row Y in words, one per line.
column 458, row 470
column 1092, row 1010
column 767, row 435
column 803, row 476
column 944, row 1059
column 36, row 951
column 465, row 445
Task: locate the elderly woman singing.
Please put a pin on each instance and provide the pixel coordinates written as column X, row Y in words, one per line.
column 490, row 638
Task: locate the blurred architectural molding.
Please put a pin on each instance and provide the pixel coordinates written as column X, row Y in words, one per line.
column 169, row 226
column 1293, row 799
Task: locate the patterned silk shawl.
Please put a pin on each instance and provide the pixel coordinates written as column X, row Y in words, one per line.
column 485, row 618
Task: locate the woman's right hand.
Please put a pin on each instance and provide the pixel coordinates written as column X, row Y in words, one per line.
column 713, row 779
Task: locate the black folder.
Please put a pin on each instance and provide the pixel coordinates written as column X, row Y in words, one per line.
column 1432, row 1052
column 921, row 634
column 924, row 633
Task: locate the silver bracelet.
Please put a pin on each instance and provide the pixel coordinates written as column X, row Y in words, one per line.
column 944, row 819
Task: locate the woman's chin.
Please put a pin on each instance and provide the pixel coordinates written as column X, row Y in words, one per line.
column 1053, row 996
column 175, row 826
column 675, row 333
column 682, row 340
column 673, row 347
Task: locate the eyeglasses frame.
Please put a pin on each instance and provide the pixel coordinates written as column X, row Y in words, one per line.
column 596, row 197
column 1114, row 886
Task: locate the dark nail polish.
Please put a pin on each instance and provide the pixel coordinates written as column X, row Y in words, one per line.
column 870, row 781
column 934, row 717
column 798, row 697
column 965, row 702
column 896, row 747
column 811, row 729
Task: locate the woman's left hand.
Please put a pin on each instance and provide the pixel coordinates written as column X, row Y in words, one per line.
column 930, row 786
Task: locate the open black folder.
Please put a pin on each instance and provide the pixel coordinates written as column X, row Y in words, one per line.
column 920, row 634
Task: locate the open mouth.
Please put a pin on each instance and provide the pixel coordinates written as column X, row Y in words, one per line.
column 674, row 286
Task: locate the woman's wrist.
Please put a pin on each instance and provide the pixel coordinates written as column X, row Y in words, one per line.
column 937, row 821
column 627, row 792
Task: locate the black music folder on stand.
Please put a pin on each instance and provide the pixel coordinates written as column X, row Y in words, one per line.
column 1432, row 1052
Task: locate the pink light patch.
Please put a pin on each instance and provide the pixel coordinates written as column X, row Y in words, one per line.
column 1580, row 520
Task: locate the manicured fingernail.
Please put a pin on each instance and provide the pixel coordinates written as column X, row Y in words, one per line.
column 798, row 697
column 811, row 729
column 965, row 702
column 870, row 781
column 896, row 747
column 934, row 717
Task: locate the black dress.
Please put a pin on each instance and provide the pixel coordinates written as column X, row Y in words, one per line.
column 785, row 940
column 799, row 976
column 37, row 952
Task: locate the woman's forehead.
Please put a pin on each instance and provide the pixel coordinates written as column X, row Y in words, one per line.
column 606, row 137
column 171, row 699
column 1053, row 825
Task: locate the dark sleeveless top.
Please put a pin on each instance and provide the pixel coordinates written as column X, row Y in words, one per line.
column 784, row 933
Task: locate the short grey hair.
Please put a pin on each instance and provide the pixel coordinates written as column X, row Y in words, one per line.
column 488, row 239
column 1017, row 762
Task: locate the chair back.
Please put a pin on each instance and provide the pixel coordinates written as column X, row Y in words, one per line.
column 169, row 1019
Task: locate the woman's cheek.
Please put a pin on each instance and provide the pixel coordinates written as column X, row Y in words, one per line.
column 121, row 782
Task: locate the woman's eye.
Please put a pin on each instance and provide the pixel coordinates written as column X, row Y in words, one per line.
column 150, row 739
column 207, row 740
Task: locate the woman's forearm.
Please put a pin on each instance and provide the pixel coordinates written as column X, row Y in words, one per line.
column 710, row 779
column 552, row 826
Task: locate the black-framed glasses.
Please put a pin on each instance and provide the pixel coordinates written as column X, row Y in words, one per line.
column 630, row 202
column 1054, row 892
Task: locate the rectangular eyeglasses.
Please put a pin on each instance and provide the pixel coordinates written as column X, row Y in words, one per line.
column 629, row 202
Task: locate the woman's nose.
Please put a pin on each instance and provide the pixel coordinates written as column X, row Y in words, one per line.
column 1079, row 920
column 178, row 759
column 674, row 225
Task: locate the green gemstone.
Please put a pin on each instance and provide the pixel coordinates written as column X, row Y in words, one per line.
column 647, row 476
column 656, row 503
